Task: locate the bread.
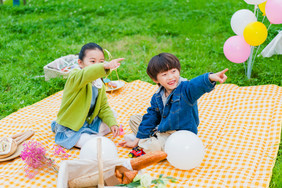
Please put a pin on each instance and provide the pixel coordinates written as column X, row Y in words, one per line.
column 124, row 175
column 147, row 159
column 129, row 176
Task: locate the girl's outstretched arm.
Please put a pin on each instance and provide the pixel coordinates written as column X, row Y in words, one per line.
column 113, row 64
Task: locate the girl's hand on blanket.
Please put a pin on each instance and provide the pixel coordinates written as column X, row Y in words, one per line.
column 219, row 76
column 113, row 64
column 129, row 143
column 115, row 130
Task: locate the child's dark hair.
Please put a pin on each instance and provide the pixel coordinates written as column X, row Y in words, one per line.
column 89, row 46
column 161, row 63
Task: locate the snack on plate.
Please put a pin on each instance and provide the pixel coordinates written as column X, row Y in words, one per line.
column 112, row 85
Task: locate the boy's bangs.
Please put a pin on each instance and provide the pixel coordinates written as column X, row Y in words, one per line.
column 165, row 65
column 162, row 63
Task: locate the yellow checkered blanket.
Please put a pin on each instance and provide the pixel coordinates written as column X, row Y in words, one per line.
column 240, row 127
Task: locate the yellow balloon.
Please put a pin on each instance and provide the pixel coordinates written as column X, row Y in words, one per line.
column 262, row 7
column 255, row 33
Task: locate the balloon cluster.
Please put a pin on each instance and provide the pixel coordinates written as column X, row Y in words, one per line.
column 250, row 32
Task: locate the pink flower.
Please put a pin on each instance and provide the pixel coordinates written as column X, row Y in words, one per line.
column 34, row 155
column 59, row 151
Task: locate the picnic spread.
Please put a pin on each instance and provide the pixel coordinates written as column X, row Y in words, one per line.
column 240, row 128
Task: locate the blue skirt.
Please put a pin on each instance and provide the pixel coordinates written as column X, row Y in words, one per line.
column 67, row 137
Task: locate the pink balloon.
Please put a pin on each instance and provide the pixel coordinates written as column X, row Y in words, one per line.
column 236, row 49
column 273, row 11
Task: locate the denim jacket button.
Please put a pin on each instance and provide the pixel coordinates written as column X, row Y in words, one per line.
column 164, row 116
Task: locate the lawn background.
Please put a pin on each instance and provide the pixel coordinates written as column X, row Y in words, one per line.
column 33, row 35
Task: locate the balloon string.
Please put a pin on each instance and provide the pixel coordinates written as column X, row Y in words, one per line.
column 250, row 60
column 269, row 26
column 255, row 55
column 245, row 68
column 256, row 6
column 256, row 11
column 262, row 19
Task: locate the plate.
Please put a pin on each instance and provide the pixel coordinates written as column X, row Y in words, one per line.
column 14, row 155
column 119, row 85
column 5, row 142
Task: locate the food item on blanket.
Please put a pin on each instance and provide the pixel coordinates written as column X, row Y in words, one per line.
column 129, row 176
column 124, row 175
column 147, row 159
column 16, row 146
column 5, row 145
column 120, row 180
column 10, row 150
column 118, row 172
column 112, row 85
column 84, row 181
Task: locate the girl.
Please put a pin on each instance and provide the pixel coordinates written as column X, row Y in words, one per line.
column 84, row 110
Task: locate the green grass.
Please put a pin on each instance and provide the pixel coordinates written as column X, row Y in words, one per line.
column 31, row 36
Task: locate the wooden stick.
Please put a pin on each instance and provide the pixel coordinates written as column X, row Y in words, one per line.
column 17, row 135
column 23, row 137
column 100, row 163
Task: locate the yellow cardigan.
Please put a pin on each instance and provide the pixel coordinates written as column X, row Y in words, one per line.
column 77, row 99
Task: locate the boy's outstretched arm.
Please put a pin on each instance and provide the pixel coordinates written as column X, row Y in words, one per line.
column 219, row 76
column 129, row 143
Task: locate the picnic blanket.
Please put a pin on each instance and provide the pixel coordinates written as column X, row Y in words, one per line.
column 240, row 128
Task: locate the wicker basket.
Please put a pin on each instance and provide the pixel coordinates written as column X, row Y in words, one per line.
column 61, row 67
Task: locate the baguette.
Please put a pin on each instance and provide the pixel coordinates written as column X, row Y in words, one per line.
column 129, row 176
column 147, row 159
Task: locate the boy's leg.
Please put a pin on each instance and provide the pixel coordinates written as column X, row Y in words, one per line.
column 134, row 122
column 153, row 143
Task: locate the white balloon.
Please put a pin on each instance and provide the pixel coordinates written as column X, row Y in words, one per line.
column 254, row 2
column 185, row 150
column 241, row 19
column 89, row 149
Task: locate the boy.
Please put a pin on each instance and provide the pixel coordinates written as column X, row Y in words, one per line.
column 173, row 106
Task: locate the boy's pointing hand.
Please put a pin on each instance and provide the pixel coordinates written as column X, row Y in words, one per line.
column 219, row 76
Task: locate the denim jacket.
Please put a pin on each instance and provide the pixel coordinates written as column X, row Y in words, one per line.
column 180, row 111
